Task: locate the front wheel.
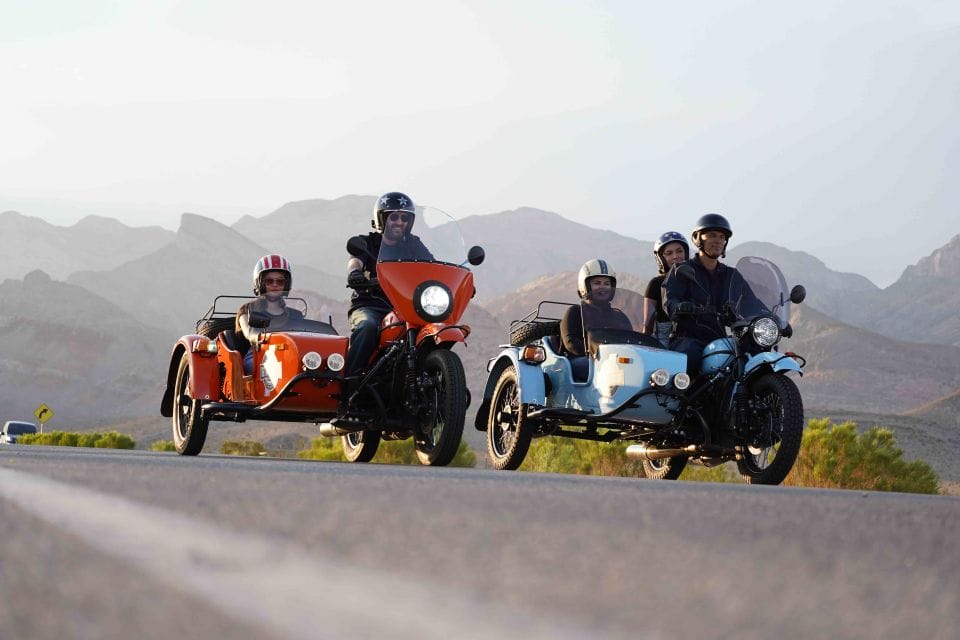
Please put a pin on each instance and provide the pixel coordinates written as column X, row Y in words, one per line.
column 447, row 397
column 508, row 434
column 776, row 430
column 665, row 468
column 189, row 428
column 361, row 446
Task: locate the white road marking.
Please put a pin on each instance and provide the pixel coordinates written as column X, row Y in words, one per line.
column 265, row 581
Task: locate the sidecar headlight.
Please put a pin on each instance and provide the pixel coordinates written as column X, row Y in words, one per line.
column 335, row 362
column 660, row 378
column 432, row 301
column 766, row 332
column 681, row 381
column 312, row 360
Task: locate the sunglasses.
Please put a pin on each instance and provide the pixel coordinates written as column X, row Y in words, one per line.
column 275, row 280
column 402, row 217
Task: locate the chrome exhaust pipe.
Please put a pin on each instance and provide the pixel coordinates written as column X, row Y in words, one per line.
column 646, row 452
column 330, row 431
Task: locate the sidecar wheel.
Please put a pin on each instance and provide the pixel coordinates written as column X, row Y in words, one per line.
column 508, row 435
column 450, row 403
column 361, row 446
column 527, row 333
column 189, row 429
column 665, row 469
column 769, row 461
column 211, row 328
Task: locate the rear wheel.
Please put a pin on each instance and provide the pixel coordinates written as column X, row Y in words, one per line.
column 508, row 434
column 665, row 469
column 361, row 446
column 447, row 397
column 189, row 428
column 776, row 430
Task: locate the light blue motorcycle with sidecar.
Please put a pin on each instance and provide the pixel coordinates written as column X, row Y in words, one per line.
column 741, row 407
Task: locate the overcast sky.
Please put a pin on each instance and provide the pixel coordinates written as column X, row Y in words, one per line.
column 828, row 127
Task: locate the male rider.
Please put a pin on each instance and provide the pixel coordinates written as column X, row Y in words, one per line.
column 698, row 292
column 393, row 218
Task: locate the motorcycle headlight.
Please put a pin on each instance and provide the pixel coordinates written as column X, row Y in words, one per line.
column 432, row 301
column 765, row 332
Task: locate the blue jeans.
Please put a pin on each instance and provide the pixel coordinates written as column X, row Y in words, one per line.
column 693, row 348
column 364, row 329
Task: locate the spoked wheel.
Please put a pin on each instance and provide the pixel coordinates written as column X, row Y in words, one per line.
column 665, row 469
column 189, row 429
column 508, row 435
column 361, row 446
column 448, row 397
column 776, row 437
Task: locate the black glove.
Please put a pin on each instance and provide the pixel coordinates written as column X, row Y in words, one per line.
column 357, row 279
column 685, row 307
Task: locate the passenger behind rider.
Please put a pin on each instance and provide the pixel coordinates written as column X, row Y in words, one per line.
column 597, row 286
column 697, row 303
column 393, row 218
column 670, row 248
column 272, row 279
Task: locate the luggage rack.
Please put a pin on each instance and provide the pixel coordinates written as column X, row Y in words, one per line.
column 538, row 315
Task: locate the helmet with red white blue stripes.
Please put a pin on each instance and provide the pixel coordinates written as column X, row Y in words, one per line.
column 271, row 262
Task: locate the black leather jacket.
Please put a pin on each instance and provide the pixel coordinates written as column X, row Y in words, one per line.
column 411, row 249
column 713, row 291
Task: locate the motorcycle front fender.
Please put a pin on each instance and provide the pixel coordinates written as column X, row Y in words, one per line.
column 774, row 360
column 204, row 373
column 529, row 380
column 443, row 333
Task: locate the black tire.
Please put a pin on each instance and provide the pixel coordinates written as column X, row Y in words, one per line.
column 508, row 434
column 664, row 469
column 770, row 462
column 527, row 333
column 451, row 407
column 361, row 446
column 189, row 429
column 211, row 328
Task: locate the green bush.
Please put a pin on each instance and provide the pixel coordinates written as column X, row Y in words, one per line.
column 389, row 452
column 582, row 457
column 163, row 445
column 836, row 456
column 111, row 440
column 242, row 448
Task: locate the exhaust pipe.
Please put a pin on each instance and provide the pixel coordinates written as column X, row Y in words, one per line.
column 645, row 452
column 331, row 431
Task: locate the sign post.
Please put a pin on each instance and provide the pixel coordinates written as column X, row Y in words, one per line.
column 43, row 414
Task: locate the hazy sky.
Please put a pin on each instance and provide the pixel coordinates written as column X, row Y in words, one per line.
column 826, row 127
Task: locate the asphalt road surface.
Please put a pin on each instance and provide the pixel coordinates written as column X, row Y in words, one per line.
column 134, row 544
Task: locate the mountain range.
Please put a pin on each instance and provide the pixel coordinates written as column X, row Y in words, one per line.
column 89, row 313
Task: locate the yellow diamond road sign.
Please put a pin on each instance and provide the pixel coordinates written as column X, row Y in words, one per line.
column 43, row 413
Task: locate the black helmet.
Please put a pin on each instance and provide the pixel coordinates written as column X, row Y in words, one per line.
column 664, row 240
column 393, row 201
column 710, row 222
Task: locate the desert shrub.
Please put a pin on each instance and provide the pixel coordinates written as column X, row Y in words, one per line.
column 241, row 448
column 582, row 457
column 111, row 440
column 163, row 445
column 720, row 473
column 389, row 452
column 836, row 456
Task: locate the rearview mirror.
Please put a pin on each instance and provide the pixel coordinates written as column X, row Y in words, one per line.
column 356, row 246
column 798, row 294
column 476, row 255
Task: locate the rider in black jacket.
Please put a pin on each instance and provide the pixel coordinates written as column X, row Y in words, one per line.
column 698, row 292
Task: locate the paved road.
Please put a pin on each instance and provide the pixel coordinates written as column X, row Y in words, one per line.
column 111, row 544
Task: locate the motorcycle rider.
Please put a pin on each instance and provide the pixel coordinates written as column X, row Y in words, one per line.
column 393, row 216
column 272, row 280
column 596, row 285
column 670, row 248
column 697, row 293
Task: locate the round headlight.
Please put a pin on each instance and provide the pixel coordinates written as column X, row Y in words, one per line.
column 660, row 378
column 766, row 332
column 681, row 381
column 435, row 300
column 312, row 360
column 335, row 362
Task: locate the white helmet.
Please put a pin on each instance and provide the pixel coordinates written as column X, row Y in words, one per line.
column 591, row 269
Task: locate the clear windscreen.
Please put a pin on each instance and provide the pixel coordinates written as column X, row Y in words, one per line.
column 432, row 235
column 767, row 284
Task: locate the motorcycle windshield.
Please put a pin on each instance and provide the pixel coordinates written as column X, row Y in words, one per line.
column 767, row 285
column 431, row 235
column 284, row 314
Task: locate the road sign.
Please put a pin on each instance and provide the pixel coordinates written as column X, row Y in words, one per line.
column 43, row 413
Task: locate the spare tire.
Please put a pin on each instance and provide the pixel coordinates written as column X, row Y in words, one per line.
column 527, row 333
column 212, row 327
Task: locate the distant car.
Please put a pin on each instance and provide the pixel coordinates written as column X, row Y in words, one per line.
column 14, row 428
